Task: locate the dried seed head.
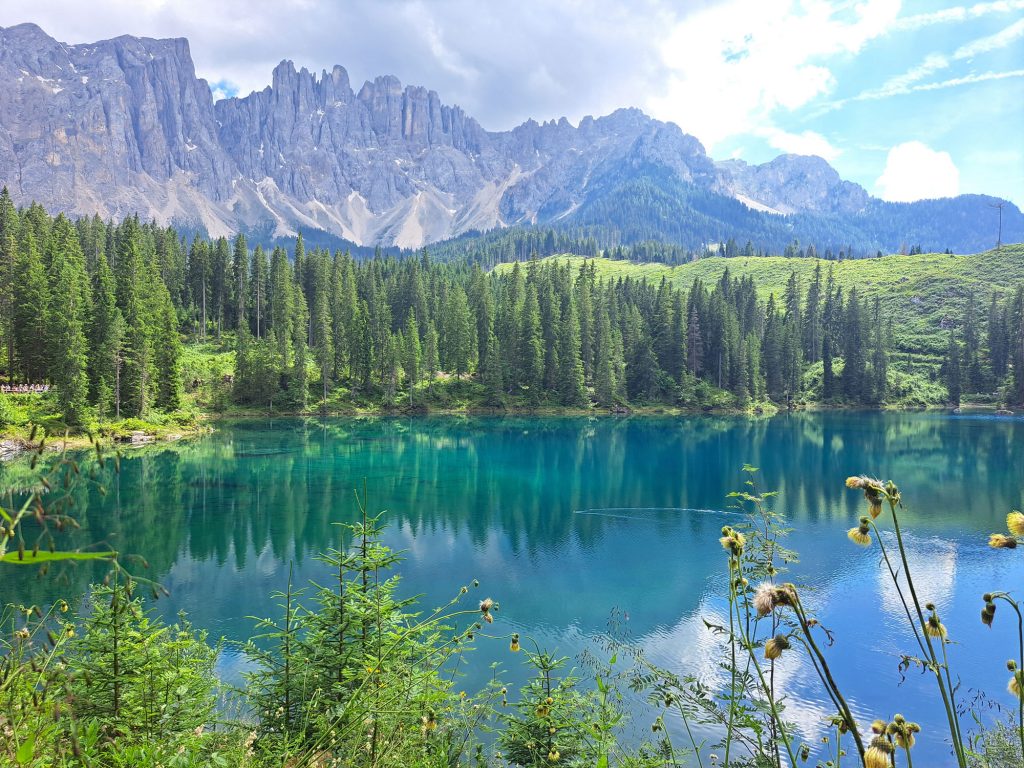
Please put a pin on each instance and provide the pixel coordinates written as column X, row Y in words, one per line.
column 1002, row 541
column 764, row 602
column 773, row 648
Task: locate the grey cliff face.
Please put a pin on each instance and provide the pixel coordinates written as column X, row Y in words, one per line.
column 113, row 127
column 124, row 126
column 794, row 184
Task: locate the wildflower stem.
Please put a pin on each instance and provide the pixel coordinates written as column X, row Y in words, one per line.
column 954, row 726
column 776, row 716
column 1020, row 650
column 899, row 590
column 732, row 665
column 689, row 734
column 829, row 680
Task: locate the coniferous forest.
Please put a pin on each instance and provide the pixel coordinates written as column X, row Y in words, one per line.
column 105, row 313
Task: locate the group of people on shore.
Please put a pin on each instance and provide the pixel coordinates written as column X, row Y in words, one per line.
column 24, row 389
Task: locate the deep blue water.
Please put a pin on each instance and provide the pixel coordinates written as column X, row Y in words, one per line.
column 566, row 520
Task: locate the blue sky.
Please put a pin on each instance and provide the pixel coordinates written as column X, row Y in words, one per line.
column 910, row 99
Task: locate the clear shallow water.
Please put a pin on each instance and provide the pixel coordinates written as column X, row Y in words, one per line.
column 564, row 521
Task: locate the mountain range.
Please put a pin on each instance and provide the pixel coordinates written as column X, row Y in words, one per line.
column 125, row 126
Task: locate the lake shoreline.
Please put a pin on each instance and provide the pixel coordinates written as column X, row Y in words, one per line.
column 15, row 444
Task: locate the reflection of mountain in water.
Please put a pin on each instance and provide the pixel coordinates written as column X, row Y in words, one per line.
column 273, row 489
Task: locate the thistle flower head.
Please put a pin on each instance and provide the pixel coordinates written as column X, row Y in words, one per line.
column 1016, row 683
column 553, row 755
column 428, row 722
column 773, row 648
column 1015, row 523
column 732, row 541
column 879, row 754
column 861, row 534
column 935, row 628
column 764, row 602
column 1002, row 541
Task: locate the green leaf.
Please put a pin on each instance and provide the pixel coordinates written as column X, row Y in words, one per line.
column 28, row 558
column 25, row 750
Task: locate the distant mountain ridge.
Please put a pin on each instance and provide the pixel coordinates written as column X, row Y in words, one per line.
column 124, row 126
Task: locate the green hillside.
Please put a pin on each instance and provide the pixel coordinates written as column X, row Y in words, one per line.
column 922, row 294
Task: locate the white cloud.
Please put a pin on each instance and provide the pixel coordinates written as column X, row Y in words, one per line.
column 915, row 171
column 994, row 42
column 955, row 14
column 910, row 81
column 803, row 143
column 735, row 65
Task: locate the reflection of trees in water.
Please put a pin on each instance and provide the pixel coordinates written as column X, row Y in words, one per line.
column 279, row 486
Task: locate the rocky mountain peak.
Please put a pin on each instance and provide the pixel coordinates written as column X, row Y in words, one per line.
column 125, row 125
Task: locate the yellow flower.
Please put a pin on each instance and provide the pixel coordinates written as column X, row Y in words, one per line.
column 854, row 482
column 732, row 541
column 935, row 628
column 878, row 755
column 1015, row 523
column 553, row 755
column 1002, row 541
column 861, row 535
column 514, row 645
column 874, row 507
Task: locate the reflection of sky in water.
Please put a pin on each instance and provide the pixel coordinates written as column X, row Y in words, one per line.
column 564, row 521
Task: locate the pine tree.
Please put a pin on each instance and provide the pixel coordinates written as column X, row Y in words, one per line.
column 879, row 357
column 430, row 358
column 131, row 281
column 571, row 384
column 604, row 374
column 491, row 371
column 951, row 371
column 828, row 378
column 9, row 230
column 412, row 352
column 531, row 375
column 66, row 321
column 320, row 323
column 1015, row 322
column 167, row 354
column 240, row 276
column 31, row 302
column 854, row 376
column 812, row 318
column 457, row 339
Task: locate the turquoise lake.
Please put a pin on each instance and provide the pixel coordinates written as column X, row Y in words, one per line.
column 567, row 521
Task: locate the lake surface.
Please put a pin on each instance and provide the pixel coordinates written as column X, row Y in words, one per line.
column 565, row 520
